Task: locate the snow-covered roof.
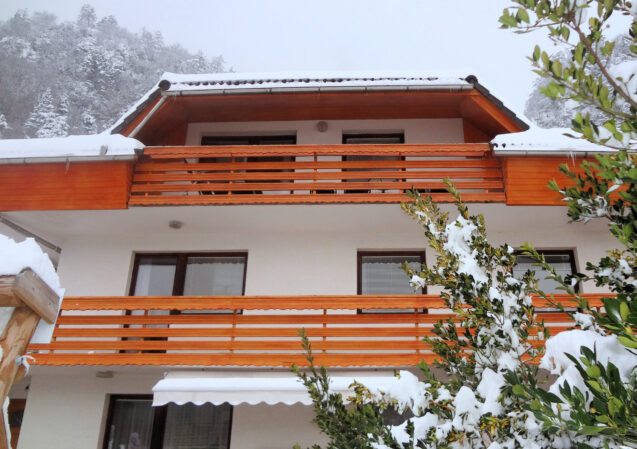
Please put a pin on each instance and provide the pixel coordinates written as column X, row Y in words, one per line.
column 552, row 141
column 173, row 82
column 93, row 147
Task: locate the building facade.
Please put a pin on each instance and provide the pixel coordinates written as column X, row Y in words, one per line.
column 235, row 211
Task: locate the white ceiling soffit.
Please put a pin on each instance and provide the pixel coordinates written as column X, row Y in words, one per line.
column 200, row 388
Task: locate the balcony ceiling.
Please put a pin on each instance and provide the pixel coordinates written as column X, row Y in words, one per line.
column 176, row 112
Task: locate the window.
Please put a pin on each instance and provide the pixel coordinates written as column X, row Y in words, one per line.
column 381, row 273
column 133, row 423
column 361, row 139
column 248, row 140
column 562, row 260
column 187, row 274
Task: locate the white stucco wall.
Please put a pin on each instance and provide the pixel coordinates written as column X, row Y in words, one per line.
column 294, row 249
column 67, row 408
column 416, row 130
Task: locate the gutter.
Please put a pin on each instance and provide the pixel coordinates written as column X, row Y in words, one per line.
column 67, row 159
column 274, row 90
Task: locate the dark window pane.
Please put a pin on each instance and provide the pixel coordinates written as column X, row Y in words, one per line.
column 383, row 275
column 192, row 426
column 373, row 138
column 131, row 424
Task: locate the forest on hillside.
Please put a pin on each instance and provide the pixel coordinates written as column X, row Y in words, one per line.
column 78, row 77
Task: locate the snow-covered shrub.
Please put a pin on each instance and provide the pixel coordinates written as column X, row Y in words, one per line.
column 490, row 396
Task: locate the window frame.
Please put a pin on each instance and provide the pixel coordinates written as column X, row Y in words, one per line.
column 179, row 279
column 159, row 420
column 391, row 253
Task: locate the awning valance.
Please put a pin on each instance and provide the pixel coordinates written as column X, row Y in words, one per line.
column 199, row 388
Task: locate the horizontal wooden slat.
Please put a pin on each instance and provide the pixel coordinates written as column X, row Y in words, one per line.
column 308, row 302
column 317, row 165
column 459, row 149
column 202, row 200
column 335, row 175
column 225, row 319
column 293, row 186
column 283, row 360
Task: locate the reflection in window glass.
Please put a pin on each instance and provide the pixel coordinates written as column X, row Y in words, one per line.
column 192, row 426
column 155, row 276
column 131, row 424
column 214, row 276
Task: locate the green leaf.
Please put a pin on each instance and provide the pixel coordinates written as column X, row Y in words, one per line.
column 591, row 430
column 593, row 371
column 624, row 310
column 629, row 343
column 536, row 53
column 523, row 15
column 518, row 390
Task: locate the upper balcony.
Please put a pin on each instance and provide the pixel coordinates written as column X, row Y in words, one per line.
column 298, row 174
column 253, row 330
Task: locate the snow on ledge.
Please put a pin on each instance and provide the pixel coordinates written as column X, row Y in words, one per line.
column 14, row 257
column 312, row 80
column 537, row 141
column 92, row 147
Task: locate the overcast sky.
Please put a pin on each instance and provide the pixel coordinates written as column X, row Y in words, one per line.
column 458, row 37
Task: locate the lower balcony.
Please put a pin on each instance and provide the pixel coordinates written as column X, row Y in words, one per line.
column 252, row 330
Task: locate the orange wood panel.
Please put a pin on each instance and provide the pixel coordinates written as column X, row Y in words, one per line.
column 61, row 186
column 526, row 177
column 473, row 134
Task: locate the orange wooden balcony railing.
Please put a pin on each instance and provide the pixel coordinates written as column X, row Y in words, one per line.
column 296, row 174
column 260, row 330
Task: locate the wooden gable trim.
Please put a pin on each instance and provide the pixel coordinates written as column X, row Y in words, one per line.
column 130, row 127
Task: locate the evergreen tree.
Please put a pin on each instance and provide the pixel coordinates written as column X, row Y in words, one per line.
column 46, row 120
column 3, row 123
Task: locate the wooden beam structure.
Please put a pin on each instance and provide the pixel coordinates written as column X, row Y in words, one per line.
column 31, row 299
